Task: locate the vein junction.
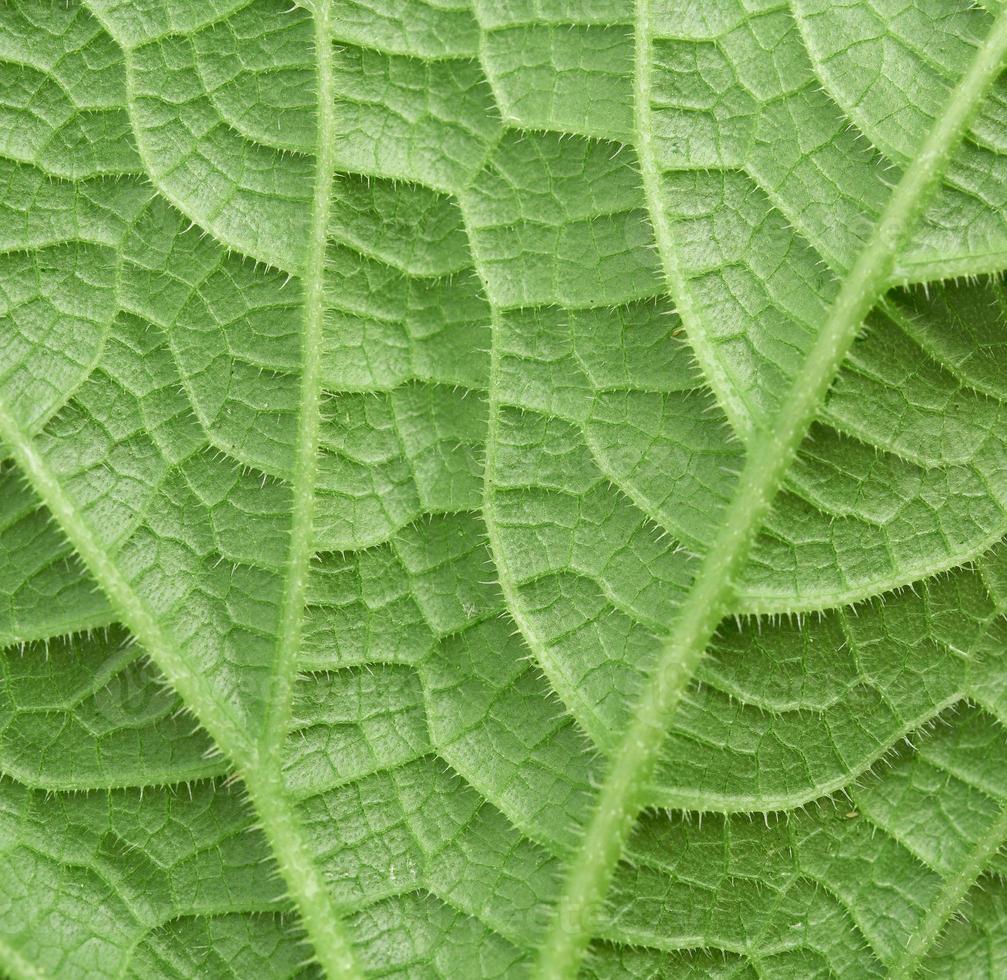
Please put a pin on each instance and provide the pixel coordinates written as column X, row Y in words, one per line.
column 770, row 453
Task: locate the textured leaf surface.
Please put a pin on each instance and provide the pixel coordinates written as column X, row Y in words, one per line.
column 482, row 302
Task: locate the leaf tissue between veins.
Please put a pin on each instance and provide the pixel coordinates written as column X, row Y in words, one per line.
column 503, row 488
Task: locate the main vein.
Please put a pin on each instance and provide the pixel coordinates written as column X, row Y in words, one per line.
column 308, row 423
column 278, row 821
column 948, row 900
column 258, row 760
column 322, row 920
column 770, row 451
column 215, row 715
column 261, row 775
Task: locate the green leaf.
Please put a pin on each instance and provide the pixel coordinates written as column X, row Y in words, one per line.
column 396, row 395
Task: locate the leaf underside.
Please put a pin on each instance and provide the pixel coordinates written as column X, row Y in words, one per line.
column 522, row 441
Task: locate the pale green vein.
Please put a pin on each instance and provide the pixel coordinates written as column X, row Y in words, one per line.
column 258, row 760
column 216, row 716
column 948, row 901
column 771, row 450
column 309, row 888
column 306, row 446
column 738, row 414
